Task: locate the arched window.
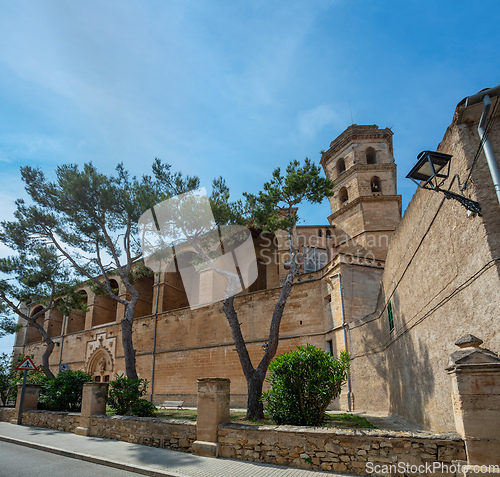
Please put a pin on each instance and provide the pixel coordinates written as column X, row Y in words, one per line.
column 343, row 196
column 340, row 166
column 328, row 233
column 371, row 156
column 33, row 334
column 175, row 295
column 144, row 286
column 54, row 325
column 375, row 184
column 320, row 233
column 261, row 282
column 105, row 307
column 76, row 319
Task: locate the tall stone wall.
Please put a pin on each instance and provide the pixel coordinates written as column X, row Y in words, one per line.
column 193, row 344
column 442, row 280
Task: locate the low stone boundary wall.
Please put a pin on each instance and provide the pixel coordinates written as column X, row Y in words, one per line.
column 60, row 421
column 336, row 450
column 154, row 432
column 7, row 414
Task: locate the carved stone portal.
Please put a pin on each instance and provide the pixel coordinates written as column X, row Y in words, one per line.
column 100, row 358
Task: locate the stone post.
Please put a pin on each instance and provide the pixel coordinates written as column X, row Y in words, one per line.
column 31, row 394
column 475, row 376
column 213, row 409
column 93, row 403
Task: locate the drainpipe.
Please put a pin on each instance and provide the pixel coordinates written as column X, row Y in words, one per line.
column 350, row 400
column 154, row 333
column 484, row 97
column 62, row 341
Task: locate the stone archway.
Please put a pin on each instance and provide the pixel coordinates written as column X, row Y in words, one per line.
column 100, row 365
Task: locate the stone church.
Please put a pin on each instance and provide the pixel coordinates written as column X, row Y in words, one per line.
column 394, row 292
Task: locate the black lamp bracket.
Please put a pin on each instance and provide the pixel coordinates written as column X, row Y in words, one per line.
column 469, row 204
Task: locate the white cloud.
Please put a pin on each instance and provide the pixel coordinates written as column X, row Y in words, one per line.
column 312, row 121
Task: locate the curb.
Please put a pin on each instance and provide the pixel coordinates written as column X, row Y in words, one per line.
column 89, row 458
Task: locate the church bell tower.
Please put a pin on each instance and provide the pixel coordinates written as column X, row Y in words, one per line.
column 365, row 206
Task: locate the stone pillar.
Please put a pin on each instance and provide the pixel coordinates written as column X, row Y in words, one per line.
column 31, row 394
column 475, row 376
column 93, row 403
column 213, row 409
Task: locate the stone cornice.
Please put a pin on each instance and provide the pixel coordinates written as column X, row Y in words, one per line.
column 363, row 168
column 359, row 200
column 353, row 133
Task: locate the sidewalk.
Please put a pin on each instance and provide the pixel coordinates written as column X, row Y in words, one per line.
column 142, row 459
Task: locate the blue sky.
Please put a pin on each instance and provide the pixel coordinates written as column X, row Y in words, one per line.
column 230, row 88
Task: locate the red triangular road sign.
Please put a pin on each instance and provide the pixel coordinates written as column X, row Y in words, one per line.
column 27, row 365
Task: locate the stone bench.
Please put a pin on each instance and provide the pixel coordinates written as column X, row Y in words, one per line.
column 169, row 404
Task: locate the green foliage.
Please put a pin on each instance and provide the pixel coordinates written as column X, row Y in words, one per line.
column 64, row 392
column 143, row 408
column 5, row 378
column 38, row 275
column 79, row 220
column 124, row 397
column 16, row 376
column 304, row 382
column 274, row 208
column 8, row 326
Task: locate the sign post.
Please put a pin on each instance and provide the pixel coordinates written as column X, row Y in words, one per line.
column 26, row 365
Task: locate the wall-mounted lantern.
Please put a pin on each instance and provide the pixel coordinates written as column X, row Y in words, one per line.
column 430, row 172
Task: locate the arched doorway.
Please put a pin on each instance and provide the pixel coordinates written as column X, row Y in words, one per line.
column 100, row 365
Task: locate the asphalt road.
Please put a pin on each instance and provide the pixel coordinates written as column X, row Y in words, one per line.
column 20, row 461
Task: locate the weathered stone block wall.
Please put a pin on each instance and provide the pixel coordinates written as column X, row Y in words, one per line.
column 154, row 432
column 336, row 450
column 7, row 414
column 442, row 282
column 61, row 421
column 194, row 344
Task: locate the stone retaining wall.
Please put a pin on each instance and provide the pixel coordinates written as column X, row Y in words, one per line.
column 338, row 450
column 60, row 421
column 7, row 414
column 154, row 432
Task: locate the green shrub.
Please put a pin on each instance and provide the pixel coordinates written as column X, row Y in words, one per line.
column 143, row 408
column 124, row 397
column 64, row 392
column 15, row 376
column 303, row 383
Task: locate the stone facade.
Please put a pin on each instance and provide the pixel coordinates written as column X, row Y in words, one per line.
column 442, row 279
column 436, row 270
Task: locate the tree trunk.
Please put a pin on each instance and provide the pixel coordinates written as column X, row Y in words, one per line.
column 255, row 408
column 128, row 346
column 46, row 356
column 48, row 350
